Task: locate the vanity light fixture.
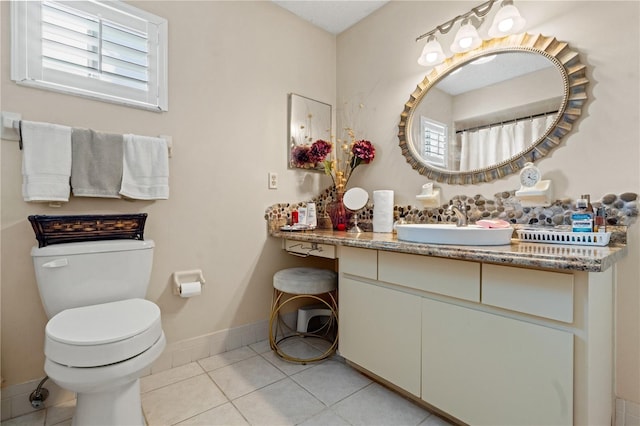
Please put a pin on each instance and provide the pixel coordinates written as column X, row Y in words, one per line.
column 467, row 38
column 432, row 53
column 506, row 21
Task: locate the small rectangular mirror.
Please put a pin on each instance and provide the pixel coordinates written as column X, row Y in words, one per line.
column 309, row 120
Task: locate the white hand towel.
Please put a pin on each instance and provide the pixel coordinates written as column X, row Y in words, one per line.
column 382, row 211
column 96, row 167
column 46, row 161
column 145, row 168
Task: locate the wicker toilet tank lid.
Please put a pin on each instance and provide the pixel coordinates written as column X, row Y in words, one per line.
column 92, row 247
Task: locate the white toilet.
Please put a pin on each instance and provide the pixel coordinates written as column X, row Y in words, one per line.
column 102, row 334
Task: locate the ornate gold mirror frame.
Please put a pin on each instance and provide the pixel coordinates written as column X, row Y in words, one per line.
column 573, row 74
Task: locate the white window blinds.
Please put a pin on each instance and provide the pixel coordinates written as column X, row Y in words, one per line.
column 434, row 141
column 109, row 51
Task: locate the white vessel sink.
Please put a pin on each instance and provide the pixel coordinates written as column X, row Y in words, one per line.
column 472, row 235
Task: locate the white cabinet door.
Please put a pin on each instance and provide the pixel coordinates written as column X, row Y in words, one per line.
column 486, row 369
column 380, row 331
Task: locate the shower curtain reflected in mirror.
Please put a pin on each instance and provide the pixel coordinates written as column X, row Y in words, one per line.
column 489, row 146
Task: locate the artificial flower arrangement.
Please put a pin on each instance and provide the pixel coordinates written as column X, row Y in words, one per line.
column 354, row 153
column 339, row 167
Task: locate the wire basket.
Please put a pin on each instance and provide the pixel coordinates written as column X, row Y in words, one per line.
column 560, row 237
column 71, row 229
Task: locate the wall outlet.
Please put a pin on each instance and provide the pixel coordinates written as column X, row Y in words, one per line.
column 273, row 180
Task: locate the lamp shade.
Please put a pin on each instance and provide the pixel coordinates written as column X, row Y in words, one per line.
column 507, row 21
column 467, row 38
column 432, row 54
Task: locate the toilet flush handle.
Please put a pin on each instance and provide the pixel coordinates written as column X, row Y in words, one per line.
column 58, row 263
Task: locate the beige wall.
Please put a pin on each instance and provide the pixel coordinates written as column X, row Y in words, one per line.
column 377, row 66
column 231, row 66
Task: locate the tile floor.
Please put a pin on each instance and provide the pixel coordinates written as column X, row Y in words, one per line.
column 252, row 386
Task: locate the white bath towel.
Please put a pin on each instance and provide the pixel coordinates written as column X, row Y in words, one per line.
column 145, row 168
column 96, row 167
column 46, row 161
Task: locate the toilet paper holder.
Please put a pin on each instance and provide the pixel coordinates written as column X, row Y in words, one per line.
column 179, row 277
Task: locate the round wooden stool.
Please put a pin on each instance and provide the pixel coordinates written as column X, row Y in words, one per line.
column 293, row 284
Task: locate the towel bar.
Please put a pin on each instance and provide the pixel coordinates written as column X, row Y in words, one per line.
column 10, row 130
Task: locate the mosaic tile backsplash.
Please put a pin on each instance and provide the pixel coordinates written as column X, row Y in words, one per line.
column 622, row 210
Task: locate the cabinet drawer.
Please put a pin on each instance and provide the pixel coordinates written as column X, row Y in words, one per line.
column 310, row 249
column 455, row 278
column 541, row 293
column 360, row 262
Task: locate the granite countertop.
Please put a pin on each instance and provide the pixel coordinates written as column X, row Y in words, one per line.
column 533, row 255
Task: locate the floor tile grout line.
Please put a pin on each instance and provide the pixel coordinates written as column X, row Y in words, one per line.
column 227, row 399
column 226, row 365
column 292, row 363
column 340, row 400
column 172, row 383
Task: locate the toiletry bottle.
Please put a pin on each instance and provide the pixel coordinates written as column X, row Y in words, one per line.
column 600, row 220
column 294, row 217
column 312, row 219
column 302, row 215
column 582, row 219
column 589, row 206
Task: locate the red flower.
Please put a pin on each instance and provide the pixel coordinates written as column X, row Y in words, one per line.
column 319, row 151
column 363, row 152
column 300, row 156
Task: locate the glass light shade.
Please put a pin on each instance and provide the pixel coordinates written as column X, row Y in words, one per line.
column 467, row 38
column 432, row 54
column 507, row 21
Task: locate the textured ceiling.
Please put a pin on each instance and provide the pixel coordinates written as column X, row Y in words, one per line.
column 333, row 16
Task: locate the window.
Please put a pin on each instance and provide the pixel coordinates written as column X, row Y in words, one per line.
column 104, row 50
column 434, row 142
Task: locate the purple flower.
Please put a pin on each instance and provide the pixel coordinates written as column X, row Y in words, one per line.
column 319, row 151
column 300, row 156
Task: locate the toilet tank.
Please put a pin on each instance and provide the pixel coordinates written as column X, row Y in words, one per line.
column 79, row 274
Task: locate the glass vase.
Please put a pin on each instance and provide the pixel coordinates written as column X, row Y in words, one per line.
column 338, row 213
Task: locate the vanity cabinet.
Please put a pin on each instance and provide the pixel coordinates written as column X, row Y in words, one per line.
column 380, row 331
column 485, row 343
column 486, row 369
column 379, row 326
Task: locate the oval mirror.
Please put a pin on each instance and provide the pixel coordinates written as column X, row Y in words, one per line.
column 483, row 114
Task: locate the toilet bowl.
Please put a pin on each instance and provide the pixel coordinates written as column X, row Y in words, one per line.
column 99, row 352
column 102, row 334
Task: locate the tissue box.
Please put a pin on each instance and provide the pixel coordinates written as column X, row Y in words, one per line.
column 71, row 229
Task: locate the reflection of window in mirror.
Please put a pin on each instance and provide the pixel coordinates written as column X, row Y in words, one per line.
column 434, row 141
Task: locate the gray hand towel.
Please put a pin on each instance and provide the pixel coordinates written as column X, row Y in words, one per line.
column 96, row 163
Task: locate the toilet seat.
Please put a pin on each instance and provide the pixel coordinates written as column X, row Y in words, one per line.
column 98, row 335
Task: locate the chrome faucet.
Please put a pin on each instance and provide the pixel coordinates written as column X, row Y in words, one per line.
column 460, row 211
